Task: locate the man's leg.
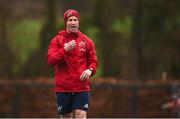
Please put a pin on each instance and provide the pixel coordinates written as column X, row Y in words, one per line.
column 80, row 104
column 64, row 104
column 80, row 113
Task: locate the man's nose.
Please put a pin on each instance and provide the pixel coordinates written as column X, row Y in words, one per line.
column 73, row 21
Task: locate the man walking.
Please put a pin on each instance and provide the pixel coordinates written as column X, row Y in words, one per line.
column 73, row 56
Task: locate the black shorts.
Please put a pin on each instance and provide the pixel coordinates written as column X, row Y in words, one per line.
column 69, row 101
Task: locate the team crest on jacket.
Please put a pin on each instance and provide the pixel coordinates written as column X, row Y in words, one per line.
column 82, row 46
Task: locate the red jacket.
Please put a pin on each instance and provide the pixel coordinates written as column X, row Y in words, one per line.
column 70, row 65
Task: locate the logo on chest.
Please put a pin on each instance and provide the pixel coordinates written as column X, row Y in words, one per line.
column 82, row 46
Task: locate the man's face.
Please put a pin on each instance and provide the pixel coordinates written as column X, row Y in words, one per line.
column 72, row 25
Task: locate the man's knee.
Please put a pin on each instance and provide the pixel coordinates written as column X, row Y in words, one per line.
column 80, row 113
column 68, row 115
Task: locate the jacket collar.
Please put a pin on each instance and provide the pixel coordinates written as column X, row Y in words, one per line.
column 72, row 34
column 64, row 33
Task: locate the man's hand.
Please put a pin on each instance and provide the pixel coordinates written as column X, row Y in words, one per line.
column 85, row 75
column 70, row 45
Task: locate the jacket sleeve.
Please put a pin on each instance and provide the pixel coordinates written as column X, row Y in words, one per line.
column 55, row 53
column 92, row 57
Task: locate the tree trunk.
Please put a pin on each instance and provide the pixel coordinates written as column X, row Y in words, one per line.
column 6, row 59
column 138, row 39
column 37, row 64
column 108, row 39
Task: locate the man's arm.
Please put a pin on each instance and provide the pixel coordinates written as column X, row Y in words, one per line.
column 55, row 54
column 92, row 58
column 92, row 62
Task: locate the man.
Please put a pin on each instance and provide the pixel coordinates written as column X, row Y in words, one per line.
column 73, row 56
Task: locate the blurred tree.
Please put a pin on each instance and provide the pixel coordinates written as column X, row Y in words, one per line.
column 49, row 28
column 37, row 64
column 161, row 46
column 48, row 32
column 107, row 38
column 138, row 37
column 108, row 16
column 6, row 57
